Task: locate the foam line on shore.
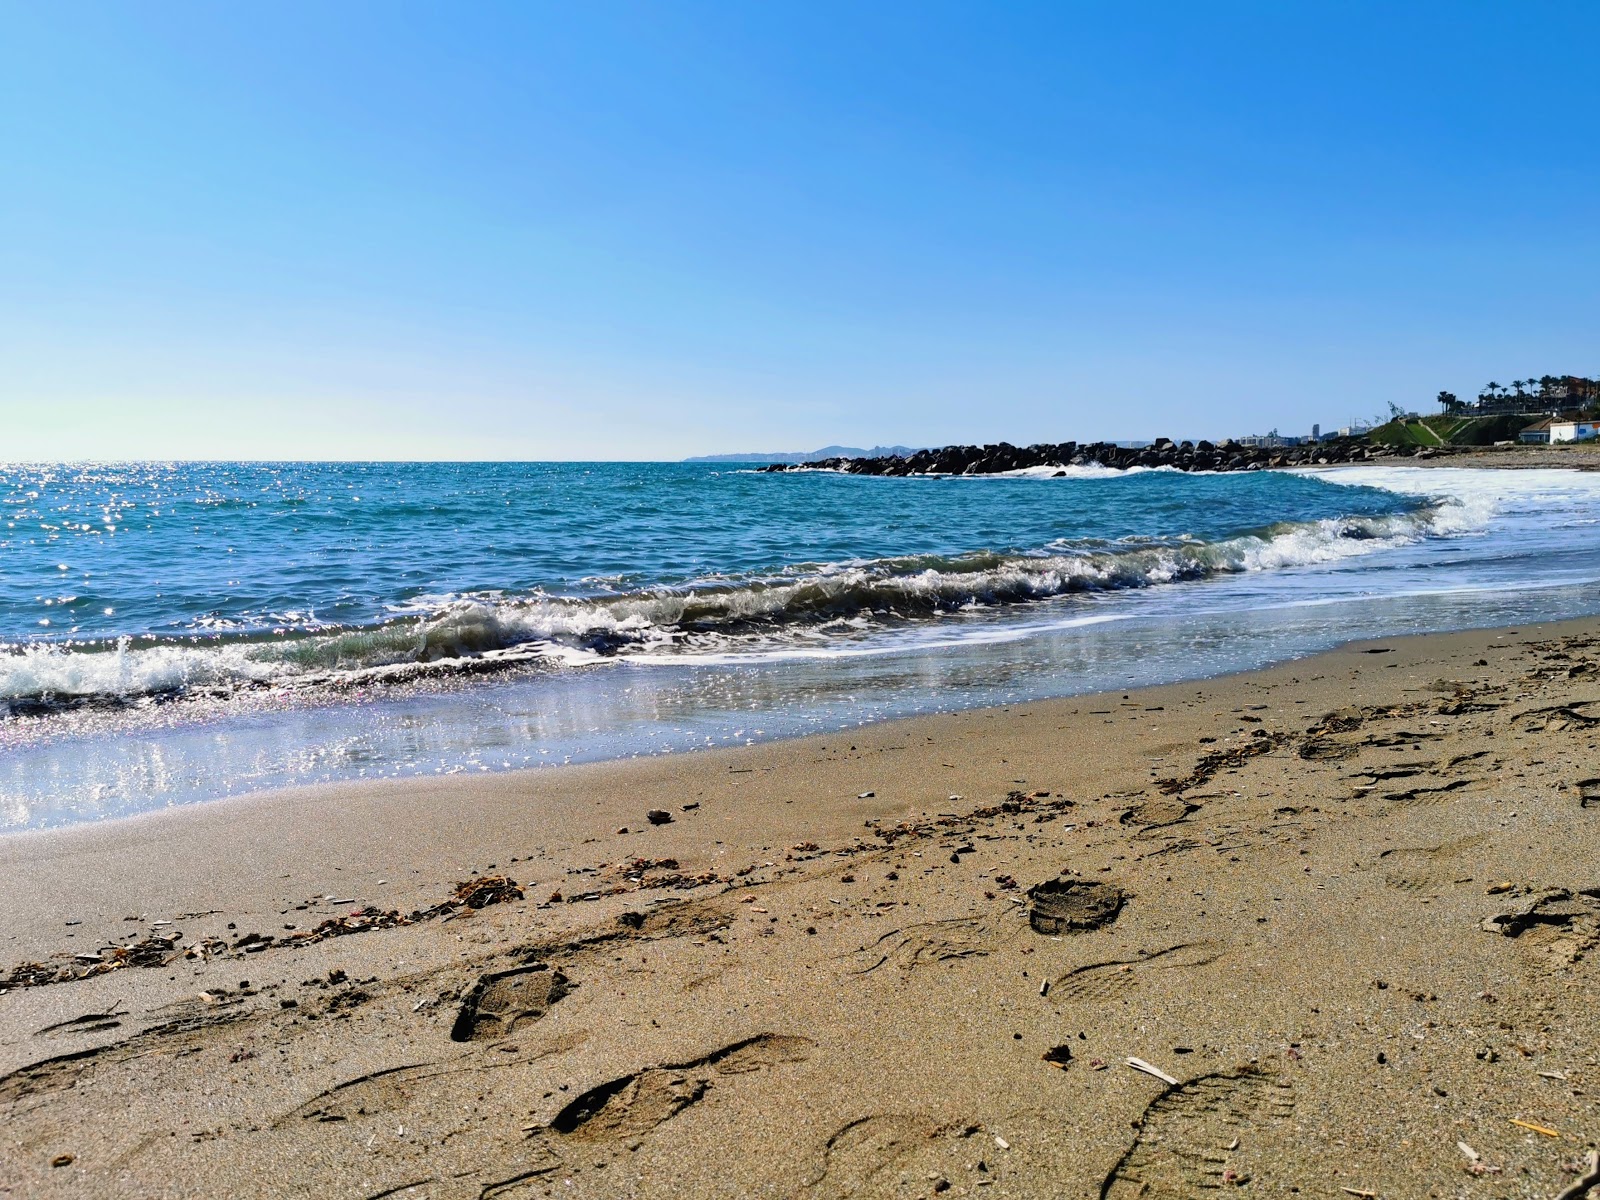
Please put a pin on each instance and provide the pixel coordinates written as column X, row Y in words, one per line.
column 766, row 613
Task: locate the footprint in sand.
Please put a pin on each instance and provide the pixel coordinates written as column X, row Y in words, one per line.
column 1560, row 718
column 502, row 1000
column 864, row 1156
column 1099, row 982
column 1339, row 739
column 1434, row 795
column 1154, row 814
column 395, row 1091
column 634, row 1104
column 1412, row 868
column 1189, row 1137
column 63, row 1071
column 928, row 943
column 1422, row 882
column 1555, row 928
column 1073, row 905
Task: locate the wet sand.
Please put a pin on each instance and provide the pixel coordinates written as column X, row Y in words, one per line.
column 1350, row 905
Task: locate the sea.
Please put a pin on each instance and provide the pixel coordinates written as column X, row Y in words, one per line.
column 178, row 633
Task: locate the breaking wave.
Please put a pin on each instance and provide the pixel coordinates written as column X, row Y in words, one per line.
column 815, row 603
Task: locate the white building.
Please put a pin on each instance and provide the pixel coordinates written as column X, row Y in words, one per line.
column 1573, row 431
column 1539, row 431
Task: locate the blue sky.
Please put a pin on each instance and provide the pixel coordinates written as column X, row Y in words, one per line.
column 397, row 230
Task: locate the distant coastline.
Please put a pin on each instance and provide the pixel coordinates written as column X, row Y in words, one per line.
column 807, row 456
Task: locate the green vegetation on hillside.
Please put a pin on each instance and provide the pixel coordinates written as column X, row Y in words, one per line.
column 1447, row 430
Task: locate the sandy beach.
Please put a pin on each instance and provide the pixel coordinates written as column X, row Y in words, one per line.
column 1572, row 456
column 793, row 602
column 1346, row 906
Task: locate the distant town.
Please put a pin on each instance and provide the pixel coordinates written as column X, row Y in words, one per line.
column 1551, row 408
column 1544, row 410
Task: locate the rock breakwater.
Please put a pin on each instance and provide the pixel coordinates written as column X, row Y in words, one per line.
column 1000, row 457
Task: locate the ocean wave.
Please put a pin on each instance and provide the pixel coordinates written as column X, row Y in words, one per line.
column 814, row 603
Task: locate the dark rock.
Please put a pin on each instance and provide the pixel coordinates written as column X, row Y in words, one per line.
column 1203, row 455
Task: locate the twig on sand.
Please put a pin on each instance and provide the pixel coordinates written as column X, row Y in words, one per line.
column 1591, row 1178
column 1544, row 1129
column 1139, row 1064
column 1357, row 1191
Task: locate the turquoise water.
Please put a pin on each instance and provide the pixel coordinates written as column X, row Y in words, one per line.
column 180, row 632
column 121, row 581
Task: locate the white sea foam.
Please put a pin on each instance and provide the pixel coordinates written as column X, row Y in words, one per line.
column 801, row 609
column 1471, row 497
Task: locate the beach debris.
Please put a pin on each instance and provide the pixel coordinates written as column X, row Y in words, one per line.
column 658, row 816
column 1540, row 1129
column 1357, row 1191
column 1015, row 802
column 1139, row 1064
column 154, row 951
column 1258, row 741
column 62, row 1160
column 1589, row 1179
column 1471, row 1154
column 1070, row 905
column 1001, row 1142
column 205, row 948
column 160, row 950
column 866, row 795
column 487, row 890
column 1058, row 1056
column 1044, row 988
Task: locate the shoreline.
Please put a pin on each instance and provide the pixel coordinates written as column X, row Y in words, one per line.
column 170, row 740
column 368, row 792
column 823, row 954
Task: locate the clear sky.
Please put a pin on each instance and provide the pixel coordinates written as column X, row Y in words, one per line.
column 592, row 230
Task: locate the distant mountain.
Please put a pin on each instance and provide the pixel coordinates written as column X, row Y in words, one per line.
column 800, row 456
